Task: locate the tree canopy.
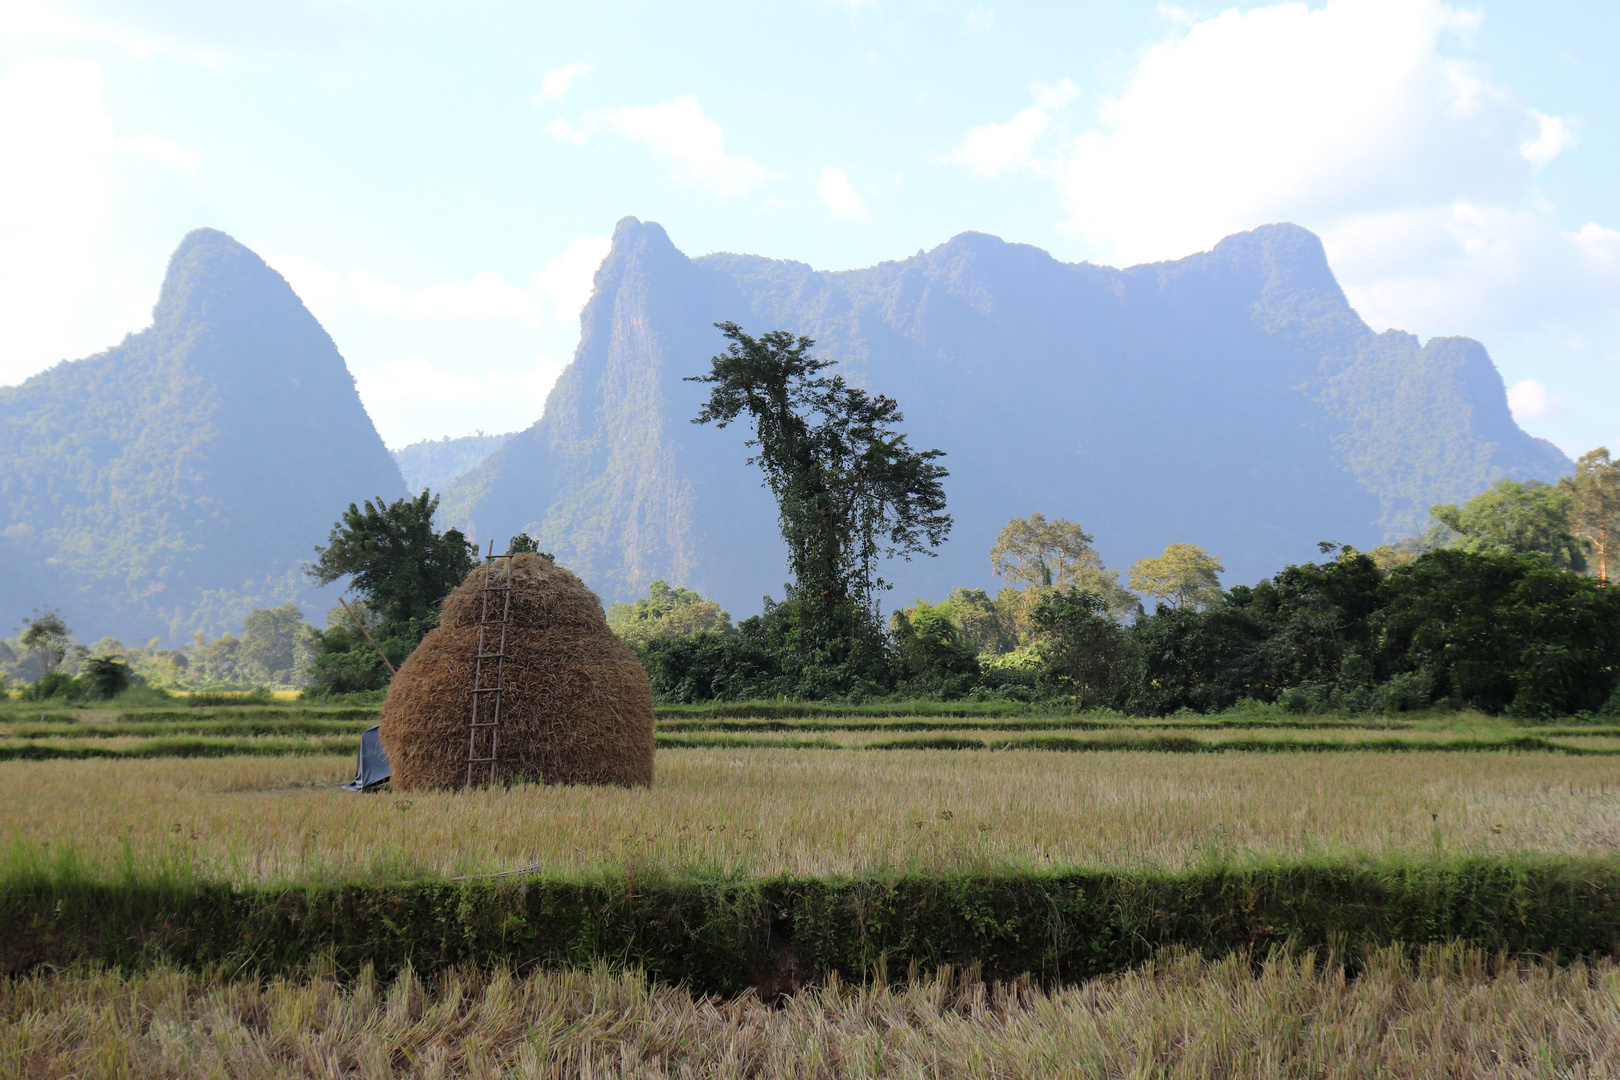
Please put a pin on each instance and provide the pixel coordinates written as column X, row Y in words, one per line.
column 1517, row 518
column 1041, row 556
column 403, row 569
column 47, row 636
column 1185, row 575
column 396, row 559
column 667, row 611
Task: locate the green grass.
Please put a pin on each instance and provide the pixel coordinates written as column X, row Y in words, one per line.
column 63, row 750
column 722, row 935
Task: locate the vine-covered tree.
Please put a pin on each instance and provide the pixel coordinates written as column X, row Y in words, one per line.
column 849, row 491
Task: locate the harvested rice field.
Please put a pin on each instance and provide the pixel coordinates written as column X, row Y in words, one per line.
column 759, row 812
column 1327, row 880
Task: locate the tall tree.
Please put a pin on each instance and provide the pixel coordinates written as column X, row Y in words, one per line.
column 48, row 638
column 275, row 648
column 1035, row 551
column 849, row 489
column 1594, row 493
column 1514, row 518
column 1186, row 575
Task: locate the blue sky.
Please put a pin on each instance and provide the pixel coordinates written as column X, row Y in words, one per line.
column 437, row 181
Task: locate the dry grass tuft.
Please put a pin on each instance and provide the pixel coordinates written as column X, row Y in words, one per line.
column 576, row 707
column 1451, row 1012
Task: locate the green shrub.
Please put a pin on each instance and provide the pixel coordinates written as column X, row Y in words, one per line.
column 58, row 684
column 103, row 677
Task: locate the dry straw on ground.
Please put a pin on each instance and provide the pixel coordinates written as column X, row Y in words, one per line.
column 1446, row 1012
column 575, row 708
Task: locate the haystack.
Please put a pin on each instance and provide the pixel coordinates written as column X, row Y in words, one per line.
column 576, row 707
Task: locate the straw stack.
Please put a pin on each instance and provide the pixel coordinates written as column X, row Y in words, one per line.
column 576, row 707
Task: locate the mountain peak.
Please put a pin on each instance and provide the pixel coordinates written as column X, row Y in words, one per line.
column 211, row 275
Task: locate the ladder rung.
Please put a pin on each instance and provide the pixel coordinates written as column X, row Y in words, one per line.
column 490, row 656
column 480, row 760
column 486, row 690
column 485, row 723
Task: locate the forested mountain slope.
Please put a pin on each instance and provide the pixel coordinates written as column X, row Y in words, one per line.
column 176, row 481
column 1232, row 399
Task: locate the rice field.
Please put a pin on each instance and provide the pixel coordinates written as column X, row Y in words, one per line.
column 760, row 812
column 1446, row 1012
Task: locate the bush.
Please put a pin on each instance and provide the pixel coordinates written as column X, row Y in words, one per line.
column 933, row 656
column 58, row 684
column 709, row 667
column 1084, row 652
column 1502, row 633
column 1201, row 660
column 103, row 677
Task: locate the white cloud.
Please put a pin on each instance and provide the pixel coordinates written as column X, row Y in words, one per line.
column 556, row 292
column 1416, row 169
column 980, row 19
column 411, row 379
column 567, row 132
column 994, row 149
column 464, row 354
column 1529, row 399
column 1288, row 113
column 690, row 144
column 484, row 296
column 1556, row 136
column 559, row 79
column 161, row 150
column 62, row 161
column 411, row 398
column 193, row 31
column 565, row 281
column 841, row 198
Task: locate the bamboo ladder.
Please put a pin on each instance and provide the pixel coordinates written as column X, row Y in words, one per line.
column 491, row 723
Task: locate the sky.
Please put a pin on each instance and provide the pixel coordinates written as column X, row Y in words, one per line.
column 438, row 181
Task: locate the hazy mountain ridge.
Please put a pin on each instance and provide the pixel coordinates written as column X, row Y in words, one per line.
column 176, row 481
column 437, row 463
column 1232, row 399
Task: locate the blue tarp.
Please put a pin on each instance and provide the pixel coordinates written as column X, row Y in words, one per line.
column 371, row 764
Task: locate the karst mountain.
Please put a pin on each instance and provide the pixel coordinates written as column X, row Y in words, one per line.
column 180, row 479
column 1232, row 399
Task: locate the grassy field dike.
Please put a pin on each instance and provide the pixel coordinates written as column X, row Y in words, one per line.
column 777, row 934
